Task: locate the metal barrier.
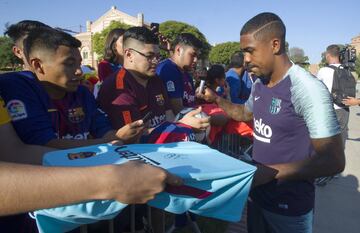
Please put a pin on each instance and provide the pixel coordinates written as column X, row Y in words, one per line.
column 235, row 145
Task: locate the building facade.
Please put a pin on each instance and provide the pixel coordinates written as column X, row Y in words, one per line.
column 88, row 55
column 355, row 42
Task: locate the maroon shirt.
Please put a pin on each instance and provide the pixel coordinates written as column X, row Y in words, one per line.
column 125, row 100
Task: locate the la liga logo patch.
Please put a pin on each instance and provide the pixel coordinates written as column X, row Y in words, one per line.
column 16, row 109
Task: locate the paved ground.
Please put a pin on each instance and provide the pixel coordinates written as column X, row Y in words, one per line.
column 337, row 208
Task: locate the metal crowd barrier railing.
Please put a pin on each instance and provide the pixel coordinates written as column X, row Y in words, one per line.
column 235, row 145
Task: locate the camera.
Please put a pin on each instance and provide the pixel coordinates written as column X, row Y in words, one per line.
column 348, row 57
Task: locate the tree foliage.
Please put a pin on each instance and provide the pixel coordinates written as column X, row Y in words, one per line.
column 357, row 65
column 7, row 58
column 287, row 47
column 221, row 53
column 171, row 29
column 99, row 38
column 297, row 55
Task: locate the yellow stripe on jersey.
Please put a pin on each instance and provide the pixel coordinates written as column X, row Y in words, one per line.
column 4, row 115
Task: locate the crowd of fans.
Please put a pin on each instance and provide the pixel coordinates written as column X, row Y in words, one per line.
column 133, row 97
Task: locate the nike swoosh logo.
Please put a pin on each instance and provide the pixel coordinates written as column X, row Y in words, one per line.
column 257, row 97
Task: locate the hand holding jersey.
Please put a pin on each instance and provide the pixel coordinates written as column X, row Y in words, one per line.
column 143, row 182
column 221, row 181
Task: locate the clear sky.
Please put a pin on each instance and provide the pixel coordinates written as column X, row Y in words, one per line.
column 311, row 24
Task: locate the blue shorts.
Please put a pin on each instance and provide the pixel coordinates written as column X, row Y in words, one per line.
column 260, row 220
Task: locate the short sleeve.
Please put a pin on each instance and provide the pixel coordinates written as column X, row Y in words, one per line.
column 166, row 97
column 172, row 79
column 316, row 108
column 27, row 104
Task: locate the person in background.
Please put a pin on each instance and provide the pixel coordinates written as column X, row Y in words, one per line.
column 135, row 90
column 89, row 78
column 113, row 55
column 175, row 71
column 215, row 80
column 238, row 79
column 17, row 33
column 326, row 75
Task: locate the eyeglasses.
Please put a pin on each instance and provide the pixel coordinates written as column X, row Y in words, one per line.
column 150, row 58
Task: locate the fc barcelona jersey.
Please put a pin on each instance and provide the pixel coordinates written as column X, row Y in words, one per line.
column 37, row 119
column 286, row 117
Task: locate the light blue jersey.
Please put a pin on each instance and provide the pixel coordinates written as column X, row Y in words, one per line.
column 215, row 185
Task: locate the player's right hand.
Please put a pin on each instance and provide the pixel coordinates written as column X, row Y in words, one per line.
column 136, row 182
column 208, row 95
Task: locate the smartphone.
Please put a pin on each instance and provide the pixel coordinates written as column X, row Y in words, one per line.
column 202, row 86
column 147, row 116
column 154, row 27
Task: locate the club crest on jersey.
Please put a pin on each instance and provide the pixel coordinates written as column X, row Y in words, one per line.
column 275, row 106
column 170, row 86
column 16, row 109
column 81, row 155
column 76, row 115
column 160, row 99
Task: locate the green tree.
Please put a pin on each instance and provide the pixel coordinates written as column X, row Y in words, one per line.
column 297, row 55
column 7, row 58
column 287, row 47
column 221, row 53
column 99, row 38
column 323, row 60
column 357, row 66
column 171, row 29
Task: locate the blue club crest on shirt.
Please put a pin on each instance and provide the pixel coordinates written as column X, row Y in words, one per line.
column 275, row 106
